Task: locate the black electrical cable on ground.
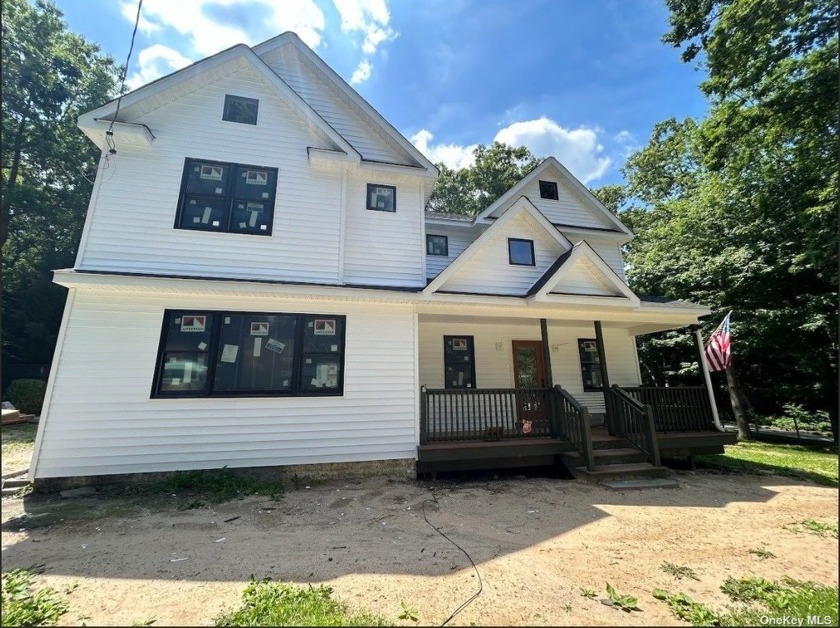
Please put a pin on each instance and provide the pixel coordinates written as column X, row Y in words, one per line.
column 477, row 573
column 109, row 134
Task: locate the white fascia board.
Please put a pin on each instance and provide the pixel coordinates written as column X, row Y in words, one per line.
column 520, row 206
column 689, row 310
column 162, row 84
column 456, row 224
column 291, row 38
column 130, row 132
column 512, row 192
column 584, row 191
column 91, row 119
column 578, row 233
column 570, row 178
column 367, row 165
column 583, row 250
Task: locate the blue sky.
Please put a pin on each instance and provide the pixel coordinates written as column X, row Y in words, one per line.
column 583, row 81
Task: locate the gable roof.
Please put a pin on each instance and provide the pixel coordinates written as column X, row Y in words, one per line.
column 208, row 69
column 579, row 252
column 589, row 199
column 348, row 93
column 522, row 206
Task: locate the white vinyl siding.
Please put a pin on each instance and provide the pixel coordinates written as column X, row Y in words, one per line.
column 384, row 248
column 609, row 251
column 458, row 240
column 101, row 419
column 569, row 209
column 494, row 367
column 334, row 108
column 489, row 271
column 135, row 201
column 583, row 278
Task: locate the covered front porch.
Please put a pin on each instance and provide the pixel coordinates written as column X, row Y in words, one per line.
column 516, row 391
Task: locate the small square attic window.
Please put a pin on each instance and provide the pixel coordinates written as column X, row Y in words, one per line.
column 548, row 189
column 241, row 109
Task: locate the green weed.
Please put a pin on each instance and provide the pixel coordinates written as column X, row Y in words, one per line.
column 679, row 571
column 683, row 607
column 408, row 612
column 626, row 603
column 266, row 603
column 762, row 553
column 20, row 606
column 589, row 594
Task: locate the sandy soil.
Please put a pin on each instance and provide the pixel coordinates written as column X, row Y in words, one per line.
column 535, row 542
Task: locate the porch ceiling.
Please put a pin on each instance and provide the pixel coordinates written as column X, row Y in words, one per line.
column 509, row 320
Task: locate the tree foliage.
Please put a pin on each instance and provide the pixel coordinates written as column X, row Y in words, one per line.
column 472, row 189
column 50, row 75
column 738, row 210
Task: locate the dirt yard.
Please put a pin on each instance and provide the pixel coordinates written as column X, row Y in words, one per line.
column 535, row 542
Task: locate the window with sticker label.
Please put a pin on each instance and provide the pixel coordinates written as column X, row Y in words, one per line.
column 226, row 197
column 248, row 354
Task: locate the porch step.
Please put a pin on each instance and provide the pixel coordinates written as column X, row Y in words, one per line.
column 618, row 455
column 623, row 485
column 632, row 471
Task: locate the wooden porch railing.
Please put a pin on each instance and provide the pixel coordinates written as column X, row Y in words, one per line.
column 574, row 425
column 632, row 421
column 677, row 409
column 485, row 414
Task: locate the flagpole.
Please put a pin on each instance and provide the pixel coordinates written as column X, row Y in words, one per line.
column 708, row 378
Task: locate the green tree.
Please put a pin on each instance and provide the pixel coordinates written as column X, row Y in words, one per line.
column 49, row 76
column 738, row 210
column 472, row 189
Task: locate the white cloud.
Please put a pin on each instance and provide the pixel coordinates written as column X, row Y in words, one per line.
column 452, row 155
column 362, row 72
column 371, row 19
column 628, row 142
column 206, row 34
column 156, row 61
column 577, row 149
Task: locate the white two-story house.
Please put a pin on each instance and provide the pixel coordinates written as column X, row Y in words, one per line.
column 258, row 285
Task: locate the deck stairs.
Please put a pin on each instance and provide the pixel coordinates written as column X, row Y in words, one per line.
column 618, row 463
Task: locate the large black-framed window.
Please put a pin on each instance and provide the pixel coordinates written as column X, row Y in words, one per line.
column 590, row 365
column 458, row 362
column 381, row 198
column 241, row 109
column 207, row 353
column 226, row 197
column 521, row 252
column 437, row 244
column 548, row 190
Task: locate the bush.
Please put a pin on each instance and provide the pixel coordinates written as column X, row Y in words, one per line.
column 27, row 395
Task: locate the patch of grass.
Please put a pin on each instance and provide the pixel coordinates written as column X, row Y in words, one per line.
column 683, row 607
column 16, row 445
column 626, row 603
column 589, row 594
column 266, row 603
column 679, row 571
column 219, row 485
column 762, row 553
column 820, row 528
column 815, row 463
column 20, row 606
column 758, row 600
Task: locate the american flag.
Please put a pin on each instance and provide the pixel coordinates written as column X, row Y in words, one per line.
column 717, row 349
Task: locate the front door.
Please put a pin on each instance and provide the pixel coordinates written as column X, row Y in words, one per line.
column 529, row 380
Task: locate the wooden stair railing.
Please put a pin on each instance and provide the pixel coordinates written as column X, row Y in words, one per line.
column 573, row 424
column 632, row 421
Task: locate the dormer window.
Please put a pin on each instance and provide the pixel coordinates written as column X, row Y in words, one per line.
column 381, row 198
column 240, row 109
column 548, row 190
column 521, row 252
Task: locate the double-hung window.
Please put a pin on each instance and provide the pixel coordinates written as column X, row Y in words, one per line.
column 227, row 197
column 208, row 353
